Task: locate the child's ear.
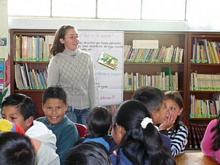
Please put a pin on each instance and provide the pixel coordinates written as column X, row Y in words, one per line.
column 180, row 111
column 42, row 107
column 153, row 113
column 29, row 121
column 67, row 106
column 120, row 131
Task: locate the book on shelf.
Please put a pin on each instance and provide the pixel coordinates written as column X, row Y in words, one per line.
column 126, row 81
column 139, row 55
column 40, row 80
column 17, row 56
column 190, row 143
column 36, row 82
column 213, row 45
column 211, row 52
column 18, row 77
column 134, row 55
column 34, row 86
column 168, row 73
column 198, row 133
column 24, row 46
column 194, row 137
column 161, row 53
column 28, row 76
column 153, row 57
column 204, row 43
column 126, row 49
column 175, row 81
column 24, row 76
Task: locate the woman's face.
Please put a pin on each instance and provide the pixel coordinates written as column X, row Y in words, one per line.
column 70, row 40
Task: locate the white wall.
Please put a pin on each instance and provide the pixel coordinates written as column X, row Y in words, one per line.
column 99, row 24
column 92, row 24
column 4, row 27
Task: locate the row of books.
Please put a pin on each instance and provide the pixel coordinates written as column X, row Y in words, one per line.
column 204, row 108
column 205, row 51
column 2, row 74
column 163, row 54
column 205, row 81
column 160, row 80
column 33, row 48
column 196, row 133
column 26, row 78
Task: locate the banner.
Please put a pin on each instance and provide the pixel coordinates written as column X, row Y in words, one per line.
column 106, row 48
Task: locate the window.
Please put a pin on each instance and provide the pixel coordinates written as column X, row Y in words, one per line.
column 127, row 9
column 71, row 8
column 163, row 9
column 113, row 9
column 29, row 7
column 203, row 13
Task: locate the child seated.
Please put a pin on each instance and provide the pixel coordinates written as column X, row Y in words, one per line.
column 153, row 99
column 177, row 132
column 98, row 123
column 54, row 106
column 20, row 109
column 88, row 153
column 16, row 149
column 138, row 139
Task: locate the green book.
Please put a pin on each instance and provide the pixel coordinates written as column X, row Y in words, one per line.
column 168, row 71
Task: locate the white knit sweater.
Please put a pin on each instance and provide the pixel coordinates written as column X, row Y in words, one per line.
column 74, row 72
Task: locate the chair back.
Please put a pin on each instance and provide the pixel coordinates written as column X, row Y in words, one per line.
column 82, row 130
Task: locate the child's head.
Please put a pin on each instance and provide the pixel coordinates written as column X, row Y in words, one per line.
column 16, row 149
column 174, row 104
column 54, row 104
column 153, row 99
column 99, row 121
column 20, row 109
column 66, row 37
column 133, row 128
column 88, row 153
column 127, row 121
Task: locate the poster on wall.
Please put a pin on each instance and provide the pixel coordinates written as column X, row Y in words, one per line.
column 106, row 48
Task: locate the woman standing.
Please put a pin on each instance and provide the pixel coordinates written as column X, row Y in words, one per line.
column 73, row 70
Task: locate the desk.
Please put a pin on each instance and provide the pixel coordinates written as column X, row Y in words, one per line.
column 195, row 158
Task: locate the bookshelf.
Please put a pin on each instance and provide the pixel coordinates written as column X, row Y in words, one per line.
column 29, row 49
column 177, row 39
column 202, row 64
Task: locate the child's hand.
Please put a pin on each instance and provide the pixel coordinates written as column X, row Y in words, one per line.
column 168, row 121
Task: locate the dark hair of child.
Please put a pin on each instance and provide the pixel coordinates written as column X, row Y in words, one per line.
column 16, row 149
column 23, row 103
column 88, row 153
column 55, row 92
column 150, row 96
column 99, row 121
